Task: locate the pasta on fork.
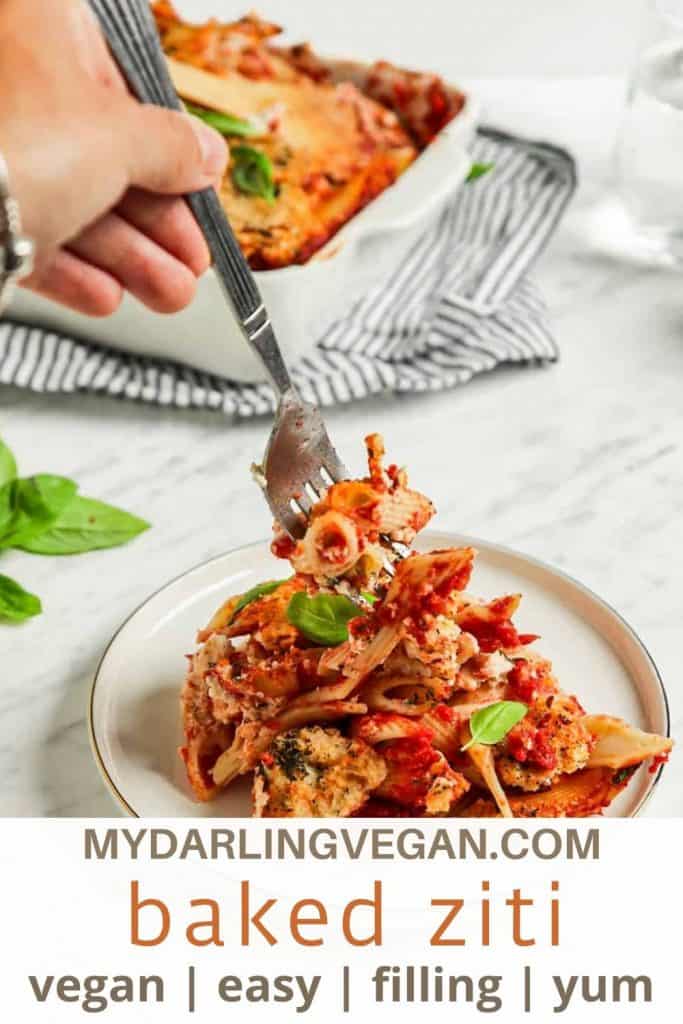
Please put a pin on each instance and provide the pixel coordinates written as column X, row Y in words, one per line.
column 355, row 687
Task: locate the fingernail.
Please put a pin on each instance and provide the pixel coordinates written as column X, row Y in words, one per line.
column 213, row 148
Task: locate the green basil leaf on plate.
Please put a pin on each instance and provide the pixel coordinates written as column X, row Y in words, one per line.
column 324, row 618
column 260, row 590
column 8, row 464
column 33, row 504
column 85, row 525
column 252, row 172
column 491, row 724
column 478, row 171
column 226, row 124
column 17, row 604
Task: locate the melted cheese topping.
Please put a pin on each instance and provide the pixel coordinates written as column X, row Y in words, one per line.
column 332, row 148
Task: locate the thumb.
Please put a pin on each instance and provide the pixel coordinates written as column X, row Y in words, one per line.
column 171, row 152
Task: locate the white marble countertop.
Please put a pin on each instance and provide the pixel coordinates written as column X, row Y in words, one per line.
column 579, row 464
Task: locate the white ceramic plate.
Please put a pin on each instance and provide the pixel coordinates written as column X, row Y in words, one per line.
column 134, row 713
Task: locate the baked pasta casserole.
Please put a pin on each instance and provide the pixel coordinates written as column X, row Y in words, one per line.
column 372, row 685
column 311, row 141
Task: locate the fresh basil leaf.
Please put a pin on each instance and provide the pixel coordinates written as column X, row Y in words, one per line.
column 8, row 464
column 226, row 124
column 85, row 525
column 260, row 590
column 252, row 172
column 367, row 596
column 324, row 618
column 8, row 494
column 34, row 504
column 491, row 724
column 16, row 604
column 478, row 171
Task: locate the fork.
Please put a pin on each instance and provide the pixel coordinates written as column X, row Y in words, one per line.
column 300, row 461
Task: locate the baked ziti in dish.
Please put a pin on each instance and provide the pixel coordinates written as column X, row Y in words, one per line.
column 311, row 141
column 365, row 684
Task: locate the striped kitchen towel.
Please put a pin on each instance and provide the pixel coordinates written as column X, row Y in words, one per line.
column 460, row 304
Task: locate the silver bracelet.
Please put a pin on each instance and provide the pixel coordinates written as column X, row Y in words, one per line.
column 16, row 250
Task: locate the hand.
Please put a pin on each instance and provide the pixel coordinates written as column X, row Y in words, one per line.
column 96, row 174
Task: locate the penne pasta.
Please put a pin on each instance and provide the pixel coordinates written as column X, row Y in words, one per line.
column 381, row 727
column 483, row 760
column 346, row 687
column 620, row 745
column 413, row 697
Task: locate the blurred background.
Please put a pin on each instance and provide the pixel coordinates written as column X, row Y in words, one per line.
column 487, row 37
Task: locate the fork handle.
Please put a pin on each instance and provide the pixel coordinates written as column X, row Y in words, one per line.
column 131, row 33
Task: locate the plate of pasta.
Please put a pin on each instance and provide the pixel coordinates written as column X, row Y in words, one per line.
column 360, row 672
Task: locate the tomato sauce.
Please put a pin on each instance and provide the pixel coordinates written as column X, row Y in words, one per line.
column 657, row 763
column 376, row 808
column 525, row 682
column 283, row 546
column 531, row 745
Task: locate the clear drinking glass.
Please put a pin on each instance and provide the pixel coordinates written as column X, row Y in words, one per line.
column 649, row 152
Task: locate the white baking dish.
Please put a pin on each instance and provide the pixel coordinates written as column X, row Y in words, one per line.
column 302, row 300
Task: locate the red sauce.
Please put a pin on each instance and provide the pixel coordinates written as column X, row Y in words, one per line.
column 369, row 726
column 458, row 580
column 403, row 94
column 526, row 683
column 528, row 638
column 657, row 762
column 362, row 626
column 307, row 673
column 333, row 546
column 444, row 713
column 530, row 745
column 283, row 546
column 415, row 753
column 442, row 109
column 376, row 808
column 490, row 636
column 393, row 473
column 429, row 599
column 409, row 761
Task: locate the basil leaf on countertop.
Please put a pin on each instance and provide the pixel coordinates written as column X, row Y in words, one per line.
column 324, row 618
column 16, row 604
column 478, row 171
column 491, row 724
column 252, row 172
column 8, row 464
column 8, row 493
column 260, row 590
column 85, row 525
column 226, row 124
column 34, row 504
